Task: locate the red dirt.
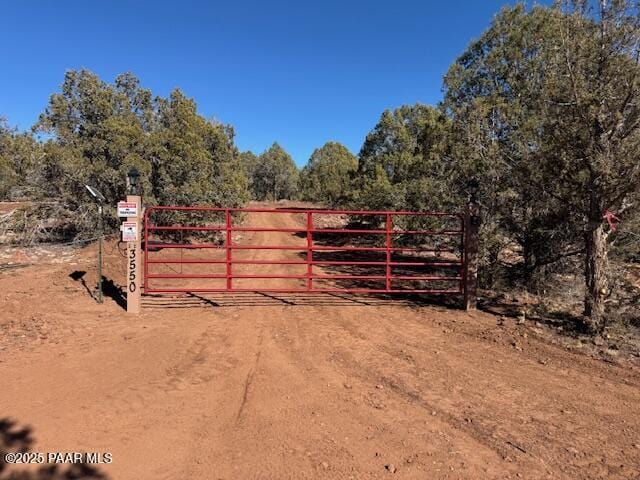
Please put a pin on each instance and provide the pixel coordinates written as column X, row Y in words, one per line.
column 232, row 386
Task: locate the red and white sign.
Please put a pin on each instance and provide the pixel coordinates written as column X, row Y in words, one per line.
column 127, row 209
column 129, row 232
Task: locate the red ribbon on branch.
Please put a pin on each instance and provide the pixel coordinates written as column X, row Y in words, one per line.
column 611, row 219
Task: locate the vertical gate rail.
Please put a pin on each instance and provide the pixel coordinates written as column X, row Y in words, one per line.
column 229, row 250
column 227, row 229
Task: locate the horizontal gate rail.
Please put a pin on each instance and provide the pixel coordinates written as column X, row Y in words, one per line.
column 314, row 290
column 316, row 276
column 290, row 247
column 391, row 256
column 303, row 211
column 301, row 230
column 314, row 262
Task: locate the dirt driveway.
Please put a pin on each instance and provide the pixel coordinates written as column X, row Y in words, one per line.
column 308, row 386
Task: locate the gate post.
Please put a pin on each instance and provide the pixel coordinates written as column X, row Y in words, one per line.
column 471, row 244
column 133, row 245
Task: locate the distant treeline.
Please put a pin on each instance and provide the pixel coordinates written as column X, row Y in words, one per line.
column 543, row 110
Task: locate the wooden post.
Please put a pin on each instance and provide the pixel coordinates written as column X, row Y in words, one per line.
column 471, row 243
column 134, row 260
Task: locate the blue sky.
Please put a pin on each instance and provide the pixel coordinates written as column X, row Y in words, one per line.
column 296, row 72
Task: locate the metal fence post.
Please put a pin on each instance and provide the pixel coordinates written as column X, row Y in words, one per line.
column 471, row 247
column 145, row 217
column 309, row 251
column 229, row 248
column 100, row 237
column 388, row 243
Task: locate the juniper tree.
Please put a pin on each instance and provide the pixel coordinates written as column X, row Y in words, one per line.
column 8, row 177
column 20, row 155
column 546, row 107
column 99, row 130
column 327, row 177
column 275, row 175
column 402, row 160
column 194, row 160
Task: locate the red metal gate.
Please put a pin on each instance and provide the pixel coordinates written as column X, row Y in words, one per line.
column 206, row 249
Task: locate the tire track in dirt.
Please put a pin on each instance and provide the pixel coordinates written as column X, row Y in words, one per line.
column 377, row 388
column 249, row 381
column 471, row 421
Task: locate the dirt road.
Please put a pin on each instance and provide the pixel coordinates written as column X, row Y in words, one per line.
column 312, row 386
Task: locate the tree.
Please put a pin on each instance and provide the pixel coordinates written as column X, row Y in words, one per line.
column 97, row 135
column 100, row 130
column 249, row 163
column 546, row 106
column 19, row 162
column 8, row 177
column 403, row 159
column 490, row 94
column 275, row 175
column 327, row 177
column 194, row 161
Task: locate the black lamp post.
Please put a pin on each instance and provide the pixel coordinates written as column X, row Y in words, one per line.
column 133, row 181
column 100, row 200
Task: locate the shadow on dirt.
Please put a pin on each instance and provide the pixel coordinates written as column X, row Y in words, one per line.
column 266, row 299
column 109, row 288
column 337, row 263
column 19, row 439
column 564, row 323
column 418, row 262
column 114, row 291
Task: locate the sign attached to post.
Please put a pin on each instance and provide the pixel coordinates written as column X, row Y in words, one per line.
column 131, row 234
column 129, row 231
column 127, row 209
column 132, row 281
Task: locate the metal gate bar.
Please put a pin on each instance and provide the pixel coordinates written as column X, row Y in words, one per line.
column 228, row 229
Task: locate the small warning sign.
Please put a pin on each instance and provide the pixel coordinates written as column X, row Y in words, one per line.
column 127, row 209
column 129, row 232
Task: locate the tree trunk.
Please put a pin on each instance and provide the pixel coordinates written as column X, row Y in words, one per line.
column 528, row 267
column 596, row 275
